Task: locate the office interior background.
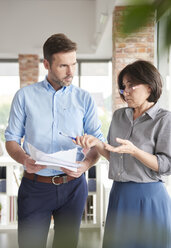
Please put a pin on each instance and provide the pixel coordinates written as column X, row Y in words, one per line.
column 102, row 53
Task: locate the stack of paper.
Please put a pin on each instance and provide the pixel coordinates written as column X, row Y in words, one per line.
column 65, row 159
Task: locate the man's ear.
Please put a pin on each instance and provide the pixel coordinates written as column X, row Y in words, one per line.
column 46, row 64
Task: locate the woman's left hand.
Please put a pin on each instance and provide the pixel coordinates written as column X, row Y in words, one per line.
column 125, row 147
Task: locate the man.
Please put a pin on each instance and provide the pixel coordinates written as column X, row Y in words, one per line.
column 39, row 113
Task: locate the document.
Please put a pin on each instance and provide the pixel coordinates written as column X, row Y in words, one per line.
column 65, row 159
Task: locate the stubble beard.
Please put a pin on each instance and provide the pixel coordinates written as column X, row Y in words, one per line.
column 64, row 83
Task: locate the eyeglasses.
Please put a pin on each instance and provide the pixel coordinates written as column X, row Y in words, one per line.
column 128, row 90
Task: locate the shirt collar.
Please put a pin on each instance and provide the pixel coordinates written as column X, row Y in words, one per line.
column 152, row 112
column 49, row 87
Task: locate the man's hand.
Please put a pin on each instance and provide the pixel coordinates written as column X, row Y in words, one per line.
column 88, row 142
column 79, row 171
column 31, row 167
column 17, row 153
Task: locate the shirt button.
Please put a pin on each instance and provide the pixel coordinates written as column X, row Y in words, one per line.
column 121, row 156
column 119, row 174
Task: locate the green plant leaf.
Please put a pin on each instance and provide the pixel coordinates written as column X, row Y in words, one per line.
column 168, row 32
column 162, row 7
column 134, row 17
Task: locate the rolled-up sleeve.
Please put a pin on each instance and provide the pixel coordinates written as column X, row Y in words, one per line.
column 92, row 124
column 16, row 124
column 163, row 146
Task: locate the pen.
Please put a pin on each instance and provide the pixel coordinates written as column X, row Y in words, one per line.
column 67, row 136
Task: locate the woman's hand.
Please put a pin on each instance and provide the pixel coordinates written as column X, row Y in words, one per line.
column 125, row 147
column 87, row 141
column 149, row 160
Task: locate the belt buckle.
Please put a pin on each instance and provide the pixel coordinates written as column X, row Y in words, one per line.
column 64, row 178
column 53, row 180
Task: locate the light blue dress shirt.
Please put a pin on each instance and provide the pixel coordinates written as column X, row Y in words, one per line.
column 38, row 113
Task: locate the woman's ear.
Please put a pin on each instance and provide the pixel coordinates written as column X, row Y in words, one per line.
column 149, row 89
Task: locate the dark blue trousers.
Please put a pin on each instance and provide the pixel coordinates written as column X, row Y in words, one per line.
column 38, row 202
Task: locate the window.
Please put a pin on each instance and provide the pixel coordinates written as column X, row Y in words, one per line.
column 9, row 84
column 164, row 66
column 96, row 78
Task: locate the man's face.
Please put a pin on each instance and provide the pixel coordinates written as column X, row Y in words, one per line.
column 62, row 69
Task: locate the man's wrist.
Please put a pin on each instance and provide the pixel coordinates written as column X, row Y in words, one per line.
column 87, row 162
column 25, row 157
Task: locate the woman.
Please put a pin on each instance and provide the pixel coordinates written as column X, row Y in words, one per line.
column 139, row 152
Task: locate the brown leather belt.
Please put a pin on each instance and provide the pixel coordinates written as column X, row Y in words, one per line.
column 57, row 180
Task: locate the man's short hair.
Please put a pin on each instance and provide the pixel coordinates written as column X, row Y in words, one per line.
column 57, row 43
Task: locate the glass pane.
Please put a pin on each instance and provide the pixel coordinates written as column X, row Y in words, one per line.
column 98, row 82
column 94, row 69
column 9, row 69
column 9, row 84
column 164, row 66
column 8, row 87
column 42, row 72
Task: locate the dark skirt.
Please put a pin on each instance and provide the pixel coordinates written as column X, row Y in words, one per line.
column 139, row 216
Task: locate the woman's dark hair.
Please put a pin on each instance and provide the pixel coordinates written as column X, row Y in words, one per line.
column 142, row 72
column 57, row 43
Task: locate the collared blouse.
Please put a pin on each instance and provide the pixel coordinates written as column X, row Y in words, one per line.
column 151, row 133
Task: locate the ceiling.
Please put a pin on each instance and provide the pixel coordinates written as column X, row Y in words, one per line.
column 26, row 24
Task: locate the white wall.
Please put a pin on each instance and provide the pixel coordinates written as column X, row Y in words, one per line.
column 26, row 24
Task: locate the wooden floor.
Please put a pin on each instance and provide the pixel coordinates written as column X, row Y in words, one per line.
column 89, row 238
